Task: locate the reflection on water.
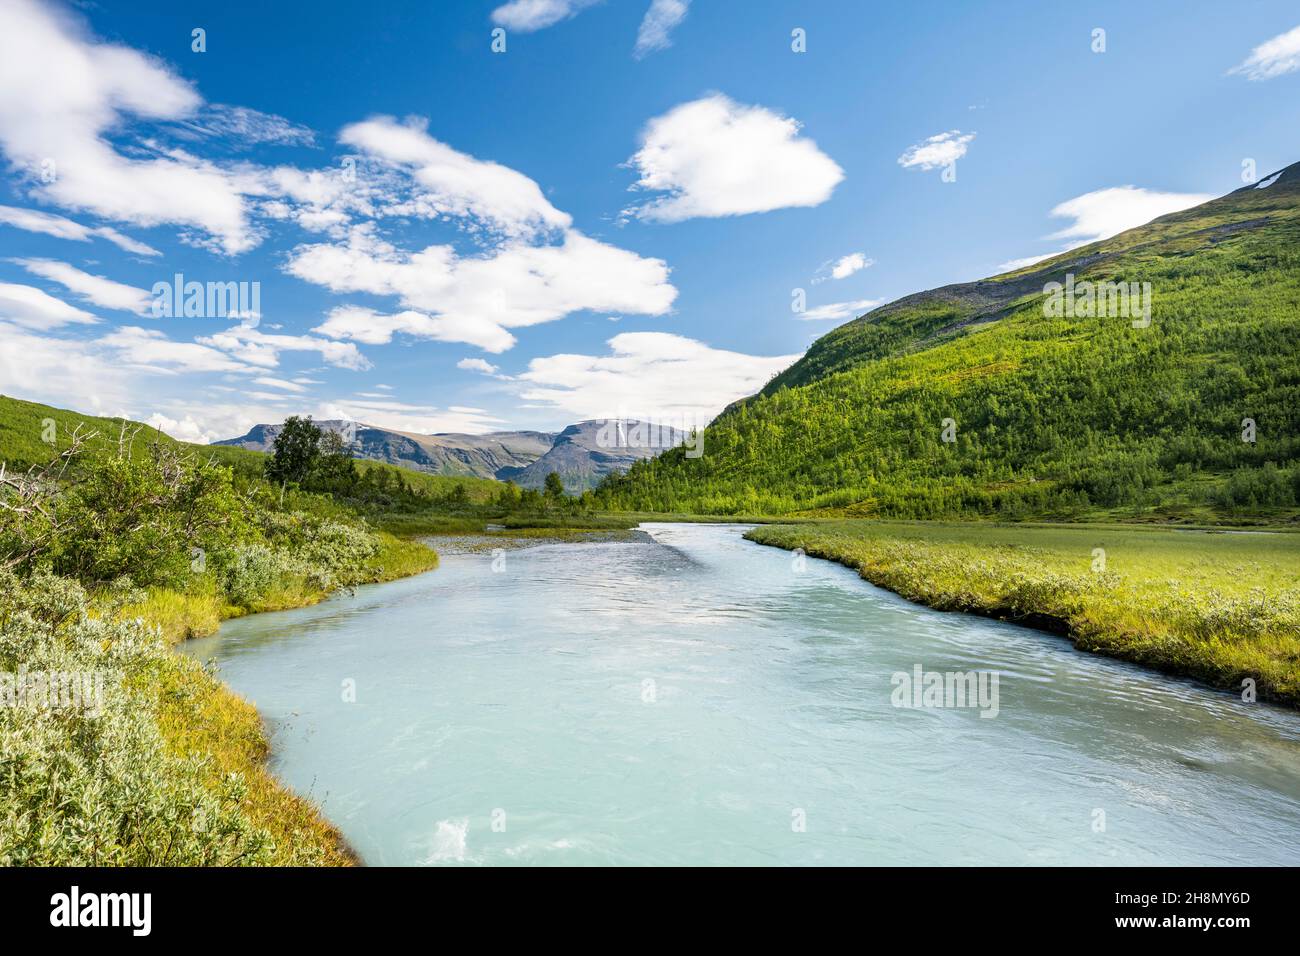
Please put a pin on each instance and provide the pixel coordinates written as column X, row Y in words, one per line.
column 690, row 698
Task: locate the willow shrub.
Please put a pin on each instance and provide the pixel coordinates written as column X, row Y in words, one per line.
column 91, row 782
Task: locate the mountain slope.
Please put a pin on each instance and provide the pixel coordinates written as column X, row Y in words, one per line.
column 496, row 455
column 25, row 425
column 1052, row 414
column 583, row 454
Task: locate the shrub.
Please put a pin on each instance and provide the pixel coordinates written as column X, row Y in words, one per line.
column 93, row 784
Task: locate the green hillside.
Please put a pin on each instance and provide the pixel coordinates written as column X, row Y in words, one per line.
column 1059, row 416
column 24, row 430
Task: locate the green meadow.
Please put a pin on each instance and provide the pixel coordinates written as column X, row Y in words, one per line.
column 1223, row 607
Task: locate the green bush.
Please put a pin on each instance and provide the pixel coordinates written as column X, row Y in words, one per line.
column 94, row 785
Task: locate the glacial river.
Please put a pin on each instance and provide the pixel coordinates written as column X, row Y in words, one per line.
column 693, row 698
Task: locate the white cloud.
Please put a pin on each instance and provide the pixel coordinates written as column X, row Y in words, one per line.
column 839, row 310
column 244, row 127
column 529, row 15
column 655, row 375
column 1011, row 265
column 102, row 292
column 34, row 309
column 656, row 29
column 843, row 267
column 716, row 157
column 369, row 327
column 34, row 220
column 937, row 151
column 1107, row 212
column 420, row 419
column 476, row 300
column 477, row 365
column 186, row 429
column 288, row 386
column 61, row 92
column 151, row 350
column 1103, row 213
column 65, row 372
column 456, row 184
column 1272, row 58
column 263, row 349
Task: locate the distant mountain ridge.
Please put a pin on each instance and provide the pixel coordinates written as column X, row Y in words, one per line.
column 581, row 454
column 495, row 455
column 585, row 453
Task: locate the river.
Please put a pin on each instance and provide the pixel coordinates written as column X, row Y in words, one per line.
column 693, row 698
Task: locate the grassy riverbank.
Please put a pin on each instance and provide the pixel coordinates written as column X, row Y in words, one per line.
column 197, row 612
column 200, row 715
column 1219, row 607
column 114, row 750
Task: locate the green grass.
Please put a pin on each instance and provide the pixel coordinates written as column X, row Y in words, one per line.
column 200, row 717
column 25, row 426
column 478, row 490
column 178, row 775
column 1217, row 606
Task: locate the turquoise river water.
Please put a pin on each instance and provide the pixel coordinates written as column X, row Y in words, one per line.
column 693, row 698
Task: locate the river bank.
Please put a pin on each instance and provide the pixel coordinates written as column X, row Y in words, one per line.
column 685, row 696
column 201, row 716
column 1221, row 608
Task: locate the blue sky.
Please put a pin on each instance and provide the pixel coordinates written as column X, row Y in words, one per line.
column 607, row 219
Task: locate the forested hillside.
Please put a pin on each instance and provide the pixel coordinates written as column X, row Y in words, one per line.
column 1085, row 413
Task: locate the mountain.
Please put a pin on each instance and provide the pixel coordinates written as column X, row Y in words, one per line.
column 585, row 453
column 496, row 455
column 1039, row 392
column 582, row 454
column 25, row 425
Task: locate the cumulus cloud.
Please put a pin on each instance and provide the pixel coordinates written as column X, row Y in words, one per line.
column 151, row 350
column 716, row 157
column 454, row 183
column 102, row 292
column 937, row 151
column 1103, row 213
column 526, row 16
column 263, row 349
column 1011, row 265
column 1272, row 58
column 477, row 365
column 475, row 300
column 61, row 92
column 34, row 309
column 34, row 220
column 184, row 429
column 843, row 267
column 65, row 372
column 839, row 310
column 1107, row 212
column 656, row 28
column 655, row 375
